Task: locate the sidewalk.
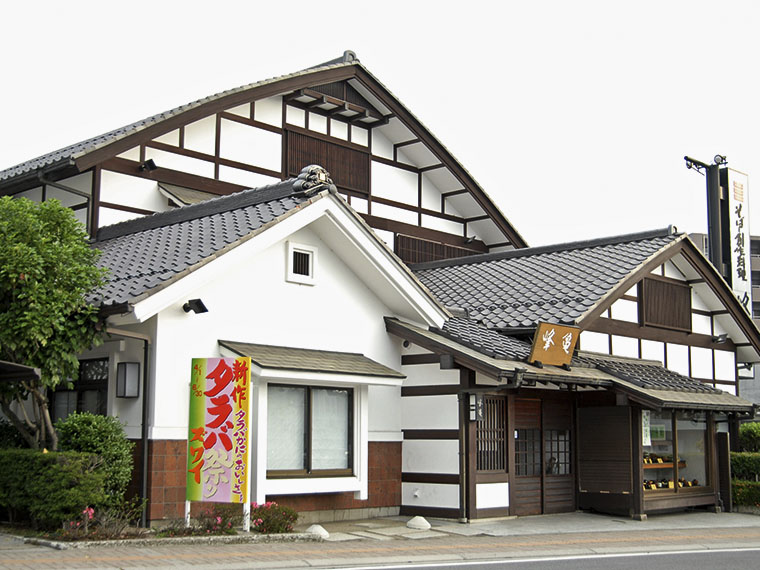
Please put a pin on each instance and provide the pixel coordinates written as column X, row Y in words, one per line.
column 388, row 541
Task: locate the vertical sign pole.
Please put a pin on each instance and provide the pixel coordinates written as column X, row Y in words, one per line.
column 187, row 514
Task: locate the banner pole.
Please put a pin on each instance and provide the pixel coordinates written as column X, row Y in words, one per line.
column 187, row 514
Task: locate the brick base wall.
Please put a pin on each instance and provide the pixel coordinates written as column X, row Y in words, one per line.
column 166, row 482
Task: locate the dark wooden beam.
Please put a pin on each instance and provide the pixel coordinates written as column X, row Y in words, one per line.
column 634, row 330
column 424, row 233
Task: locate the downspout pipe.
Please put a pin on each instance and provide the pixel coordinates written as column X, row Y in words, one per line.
column 145, row 409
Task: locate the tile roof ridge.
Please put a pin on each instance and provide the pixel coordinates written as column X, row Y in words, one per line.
column 551, row 248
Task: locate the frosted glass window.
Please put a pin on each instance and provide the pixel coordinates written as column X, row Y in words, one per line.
column 285, row 428
column 330, row 421
column 309, row 430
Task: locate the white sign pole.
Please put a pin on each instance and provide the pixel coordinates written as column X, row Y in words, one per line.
column 187, row 514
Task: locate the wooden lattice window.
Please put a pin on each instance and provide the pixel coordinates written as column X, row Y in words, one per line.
column 415, row 250
column 557, row 451
column 491, row 435
column 665, row 303
column 528, row 452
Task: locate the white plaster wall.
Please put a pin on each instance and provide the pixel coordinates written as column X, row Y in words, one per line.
column 673, row 272
column 359, row 135
column 245, row 177
column 172, row 138
column 201, row 135
column 360, row 205
column 109, row 216
column 448, row 226
column 243, row 110
column 430, row 412
column 318, row 123
column 725, row 365
column 595, row 342
column 131, row 191
column 701, row 362
column 131, row 154
column 255, row 304
column 678, row 358
column 381, row 146
column 269, row 111
column 697, row 302
column 391, row 213
column 31, row 194
column 394, row 184
column 625, row 310
column 653, row 350
column 338, row 129
column 250, row 145
column 625, row 346
column 430, row 456
column 491, row 495
column 729, row 389
column 429, row 374
column 430, row 495
column 295, row 116
column 701, row 324
column 384, row 413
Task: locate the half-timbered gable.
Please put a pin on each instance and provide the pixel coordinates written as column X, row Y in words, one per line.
column 385, row 163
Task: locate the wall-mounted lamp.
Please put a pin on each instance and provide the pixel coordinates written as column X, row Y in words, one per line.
column 149, row 165
column 470, row 239
column 128, row 380
column 720, row 339
column 195, row 305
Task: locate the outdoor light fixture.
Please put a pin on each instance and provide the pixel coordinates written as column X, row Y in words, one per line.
column 470, row 239
column 196, row 306
column 148, row 165
column 720, row 339
column 127, row 379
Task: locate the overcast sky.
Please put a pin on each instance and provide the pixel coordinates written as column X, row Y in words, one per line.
column 573, row 116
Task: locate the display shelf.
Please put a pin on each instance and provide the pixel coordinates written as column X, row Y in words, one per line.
column 668, row 465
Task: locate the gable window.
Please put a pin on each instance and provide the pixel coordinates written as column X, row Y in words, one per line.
column 88, row 394
column 309, row 431
column 301, row 260
column 665, row 303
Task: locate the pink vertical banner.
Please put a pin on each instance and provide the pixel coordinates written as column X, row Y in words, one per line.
column 218, row 430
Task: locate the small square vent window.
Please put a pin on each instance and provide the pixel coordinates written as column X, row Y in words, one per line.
column 301, row 261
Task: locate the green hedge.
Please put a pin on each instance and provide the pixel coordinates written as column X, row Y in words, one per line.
column 749, row 436
column 49, row 488
column 745, row 465
column 745, row 493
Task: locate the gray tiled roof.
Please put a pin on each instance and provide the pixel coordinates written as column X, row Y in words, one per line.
column 308, row 360
column 71, row 152
column 518, row 288
column 144, row 253
column 484, row 340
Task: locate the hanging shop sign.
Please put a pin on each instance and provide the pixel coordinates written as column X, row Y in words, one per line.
column 219, row 430
column 553, row 344
column 738, row 212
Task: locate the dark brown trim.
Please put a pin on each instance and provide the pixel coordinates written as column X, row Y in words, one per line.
column 95, row 200
column 422, row 232
column 169, row 176
column 491, row 513
column 217, row 144
column 124, row 208
column 431, row 167
column 433, row 390
column 435, row 478
column 449, row 434
column 634, row 330
column 412, row 359
column 417, row 209
column 209, row 108
column 325, row 138
column 396, row 164
column 406, row 143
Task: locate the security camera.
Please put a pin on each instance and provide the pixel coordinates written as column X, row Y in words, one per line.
column 689, row 165
column 719, row 159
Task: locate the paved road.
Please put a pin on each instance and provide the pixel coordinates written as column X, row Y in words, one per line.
column 388, row 541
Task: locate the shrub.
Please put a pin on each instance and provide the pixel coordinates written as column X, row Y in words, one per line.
column 105, row 523
column 104, row 436
column 745, row 465
column 49, row 488
column 745, row 493
column 272, row 518
column 10, row 438
column 749, row 436
column 217, row 519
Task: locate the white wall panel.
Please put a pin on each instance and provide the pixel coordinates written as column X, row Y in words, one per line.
column 131, row 191
column 34, row 194
column 172, row 138
column 131, row 154
column 673, row 272
column 244, row 177
column 109, row 216
column 625, row 346
column 295, row 116
column 381, row 146
column 391, row 213
column 697, row 302
column 386, row 236
column 179, row 162
column 250, row 145
column 491, row 495
column 701, row 362
column 595, row 342
column 725, row 365
column 729, row 389
column 243, row 110
column 318, row 123
column 360, row 205
column 430, row 412
column 430, row 456
column 201, row 135
column 359, row 135
column 625, row 310
column 428, row 374
column 394, row 184
column 269, row 111
column 385, row 413
column 430, row 495
column 653, row 350
column 338, row 129
column 701, row 324
column 678, row 358
column 442, row 225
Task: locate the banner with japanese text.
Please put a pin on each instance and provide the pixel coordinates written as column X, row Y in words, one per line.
column 218, row 430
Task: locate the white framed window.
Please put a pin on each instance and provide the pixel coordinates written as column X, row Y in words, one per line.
column 301, row 263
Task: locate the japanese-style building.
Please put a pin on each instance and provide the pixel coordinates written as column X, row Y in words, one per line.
column 311, row 223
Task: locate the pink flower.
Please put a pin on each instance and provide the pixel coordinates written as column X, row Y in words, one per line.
column 90, row 512
column 218, row 520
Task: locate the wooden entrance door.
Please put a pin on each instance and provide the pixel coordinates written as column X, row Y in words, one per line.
column 543, row 476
